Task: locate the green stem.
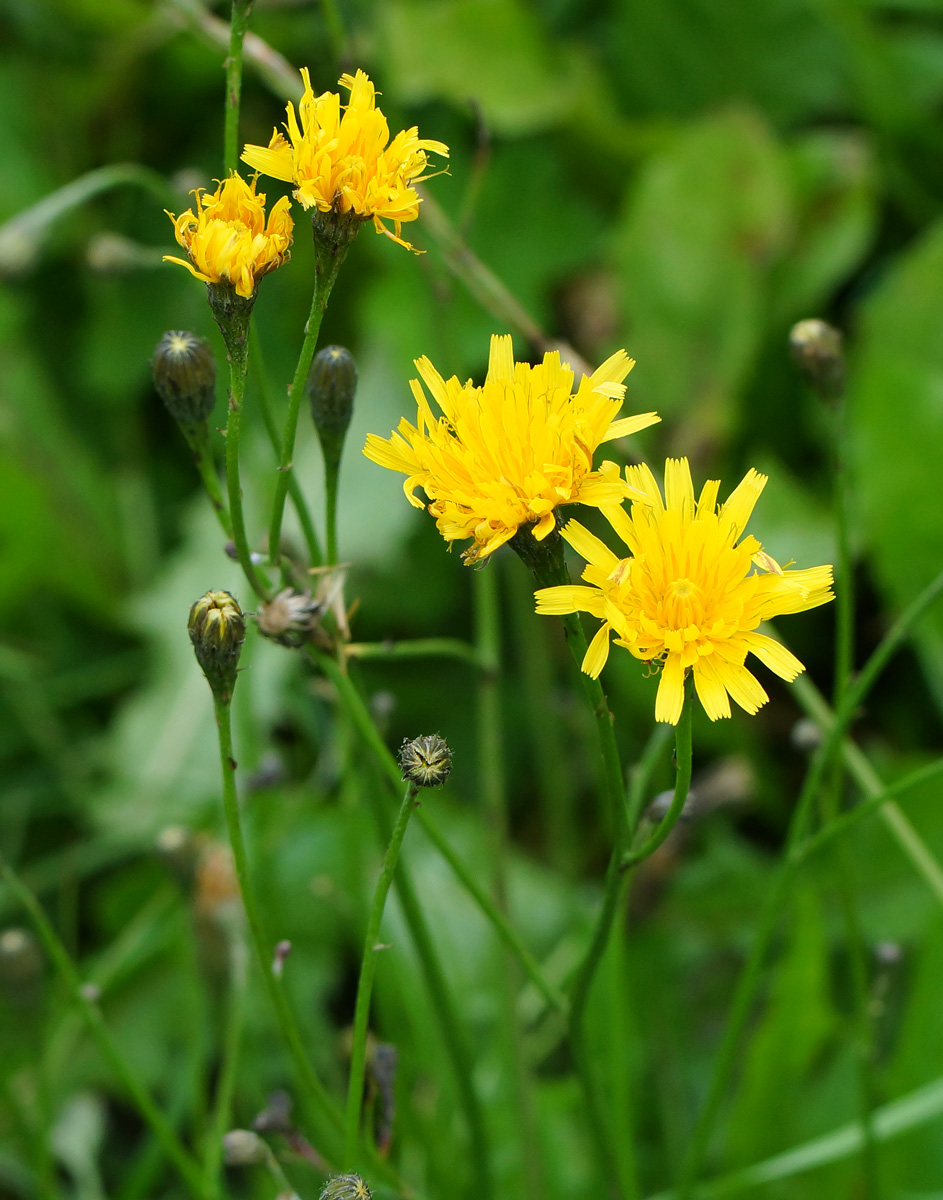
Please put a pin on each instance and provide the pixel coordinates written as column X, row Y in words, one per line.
column 237, row 32
column 185, row 1164
column 415, row 648
column 368, row 967
column 260, row 944
column 331, row 242
column 294, row 488
column 641, row 774
column 232, row 1041
column 503, row 928
column 238, row 360
column 197, row 440
column 436, row 982
column 332, row 474
column 682, row 787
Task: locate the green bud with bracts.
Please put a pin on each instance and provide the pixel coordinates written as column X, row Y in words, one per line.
column 345, row 1187
column 184, row 372
column 217, row 629
column 426, row 761
column 331, row 386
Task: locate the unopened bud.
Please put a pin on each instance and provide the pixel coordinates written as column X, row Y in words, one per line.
column 243, row 1148
column 817, row 350
column 332, row 384
column 217, row 630
column 184, row 371
column 426, row 761
column 21, row 961
column 345, row 1187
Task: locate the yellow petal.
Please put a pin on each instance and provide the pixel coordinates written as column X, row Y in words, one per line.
column 742, row 500
column 679, row 489
column 629, row 425
column 568, row 598
column 774, row 655
column 670, row 699
column 589, row 546
column 596, row 654
column 710, row 691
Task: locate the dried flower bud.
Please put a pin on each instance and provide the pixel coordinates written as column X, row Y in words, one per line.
column 184, row 372
column 345, row 1187
column 817, row 350
column 332, row 383
column 426, row 761
column 243, row 1148
column 21, row 961
column 217, row 630
column 289, row 617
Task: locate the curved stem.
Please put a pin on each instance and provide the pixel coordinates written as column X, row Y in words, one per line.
column 186, row 1166
column 682, row 787
column 329, row 255
column 260, row 944
column 368, row 967
column 197, row 439
column 237, row 32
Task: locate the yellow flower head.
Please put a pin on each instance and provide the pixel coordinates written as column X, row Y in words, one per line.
column 227, row 238
column 343, row 163
column 510, row 452
column 691, row 594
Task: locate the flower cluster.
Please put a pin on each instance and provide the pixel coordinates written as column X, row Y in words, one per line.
column 227, row 238
column 344, row 162
column 511, row 452
column 692, row 592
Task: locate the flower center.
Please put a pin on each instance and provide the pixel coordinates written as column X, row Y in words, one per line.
column 683, row 604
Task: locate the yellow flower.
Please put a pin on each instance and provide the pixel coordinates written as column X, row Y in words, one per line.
column 227, row 238
column 691, row 595
column 343, row 163
column 512, row 451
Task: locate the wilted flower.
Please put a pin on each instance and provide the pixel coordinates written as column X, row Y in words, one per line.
column 690, row 596
column 289, row 617
column 228, row 240
column 511, row 452
column 342, row 163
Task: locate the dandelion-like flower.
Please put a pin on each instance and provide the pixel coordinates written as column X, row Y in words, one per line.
column 511, row 452
column 227, row 238
column 692, row 593
column 347, row 163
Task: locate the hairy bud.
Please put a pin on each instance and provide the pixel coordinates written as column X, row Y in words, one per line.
column 345, row 1187
column 184, row 372
column 426, row 761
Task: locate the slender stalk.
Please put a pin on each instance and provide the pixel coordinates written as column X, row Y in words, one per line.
column 368, row 967
column 238, row 360
column 294, row 488
column 641, row 774
column 237, row 32
column 502, row 926
column 436, row 982
column 682, row 787
column 332, row 474
column 232, row 1042
column 329, row 254
column 186, row 1166
column 262, row 948
column 207, row 471
column 415, row 648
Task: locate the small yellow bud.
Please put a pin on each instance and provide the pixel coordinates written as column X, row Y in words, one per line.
column 184, row 372
column 426, row 761
column 217, row 630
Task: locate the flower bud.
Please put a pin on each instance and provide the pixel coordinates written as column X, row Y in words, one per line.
column 426, row 761
column 817, row 350
column 332, row 383
column 243, row 1148
column 345, row 1187
column 184, row 371
column 21, row 960
column 217, row 630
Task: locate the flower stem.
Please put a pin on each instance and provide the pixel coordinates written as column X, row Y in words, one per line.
column 439, row 993
column 197, row 440
column 331, row 243
column 186, row 1166
column 237, row 32
column 368, row 967
column 331, row 479
column 262, row 948
column 682, row 787
column 238, row 361
column 232, row 1040
column 294, row 488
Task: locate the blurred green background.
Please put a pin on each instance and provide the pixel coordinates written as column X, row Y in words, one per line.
column 684, row 178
